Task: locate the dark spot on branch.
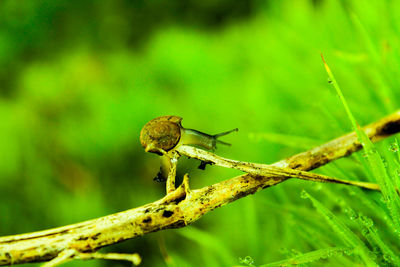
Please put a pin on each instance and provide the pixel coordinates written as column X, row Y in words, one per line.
column 178, row 224
column 316, row 165
column 241, row 194
column 180, row 199
column 317, row 160
column 297, row 166
column 389, row 128
column 159, row 209
column 83, row 238
column 176, row 201
column 96, row 236
column 38, row 258
column 147, row 220
column 167, row 213
column 209, row 190
column 147, row 211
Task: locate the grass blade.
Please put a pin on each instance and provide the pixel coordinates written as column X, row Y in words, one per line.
column 210, row 242
column 348, row 237
column 374, row 159
column 312, row 256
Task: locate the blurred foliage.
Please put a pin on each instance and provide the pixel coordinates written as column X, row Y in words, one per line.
column 80, row 79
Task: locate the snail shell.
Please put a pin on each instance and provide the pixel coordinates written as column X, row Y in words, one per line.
column 161, row 134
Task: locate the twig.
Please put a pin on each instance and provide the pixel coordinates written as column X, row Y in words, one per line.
column 61, row 258
column 134, row 258
column 265, row 170
column 172, row 157
column 178, row 208
column 72, row 254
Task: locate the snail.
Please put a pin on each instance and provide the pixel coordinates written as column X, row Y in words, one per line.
column 165, row 133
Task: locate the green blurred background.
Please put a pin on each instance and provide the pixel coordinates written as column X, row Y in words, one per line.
column 79, row 79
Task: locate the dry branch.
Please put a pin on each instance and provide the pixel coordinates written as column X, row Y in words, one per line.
column 256, row 169
column 179, row 208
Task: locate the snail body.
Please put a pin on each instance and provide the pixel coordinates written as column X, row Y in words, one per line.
column 165, row 133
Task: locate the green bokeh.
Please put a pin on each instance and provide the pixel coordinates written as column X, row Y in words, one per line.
column 79, row 80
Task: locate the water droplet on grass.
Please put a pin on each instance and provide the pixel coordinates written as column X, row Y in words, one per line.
column 384, row 162
column 295, row 252
column 247, row 260
column 367, row 221
column 304, row 194
column 394, row 147
column 387, row 257
column 365, row 231
column 348, row 251
column 353, row 216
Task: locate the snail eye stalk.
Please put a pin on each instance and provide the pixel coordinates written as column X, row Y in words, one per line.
column 206, row 141
column 225, row 133
column 216, row 136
